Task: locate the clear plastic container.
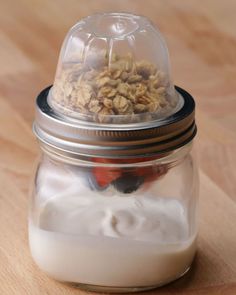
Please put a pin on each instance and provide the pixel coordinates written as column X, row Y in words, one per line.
column 114, row 66
column 114, row 207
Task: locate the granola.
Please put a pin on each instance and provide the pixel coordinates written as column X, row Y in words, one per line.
column 118, row 86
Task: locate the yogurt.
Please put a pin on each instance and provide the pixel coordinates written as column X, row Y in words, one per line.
column 112, row 241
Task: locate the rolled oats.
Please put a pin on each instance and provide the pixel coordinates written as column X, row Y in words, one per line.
column 124, row 76
column 123, row 89
column 106, row 91
column 120, row 104
column 134, row 78
column 103, row 115
column 102, row 81
column 119, row 86
column 114, row 83
column 140, row 108
column 145, row 69
column 140, row 89
column 116, row 74
column 153, row 106
column 108, row 103
column 94, row 106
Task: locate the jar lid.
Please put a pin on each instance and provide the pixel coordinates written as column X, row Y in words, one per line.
column 75, row 137
column 113, row 94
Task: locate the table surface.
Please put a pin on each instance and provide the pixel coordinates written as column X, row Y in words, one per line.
column 202, row 42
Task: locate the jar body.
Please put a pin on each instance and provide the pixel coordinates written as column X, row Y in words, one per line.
column 122, row 224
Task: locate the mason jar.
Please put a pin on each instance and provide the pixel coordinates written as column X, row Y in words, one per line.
column 114, row 206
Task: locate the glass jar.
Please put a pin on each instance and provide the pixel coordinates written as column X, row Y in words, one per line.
column 113, row 226
column 114, row 206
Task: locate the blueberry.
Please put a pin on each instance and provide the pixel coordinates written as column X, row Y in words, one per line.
column 128, row 183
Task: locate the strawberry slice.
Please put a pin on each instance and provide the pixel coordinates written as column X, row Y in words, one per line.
column 106, row 175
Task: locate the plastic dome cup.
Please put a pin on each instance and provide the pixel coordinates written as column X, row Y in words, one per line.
column 114, row 68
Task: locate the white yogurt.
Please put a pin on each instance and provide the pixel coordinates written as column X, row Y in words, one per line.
column 112, row 241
